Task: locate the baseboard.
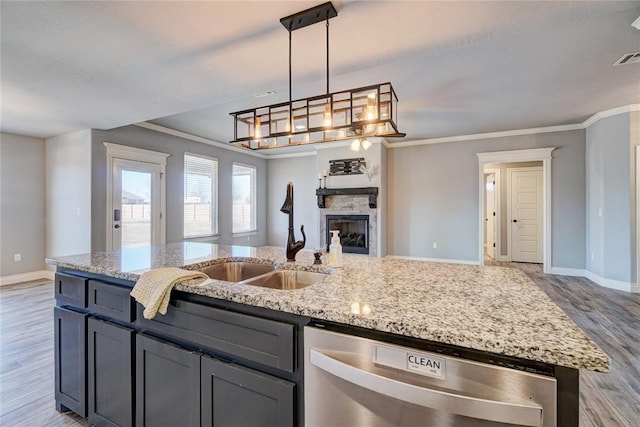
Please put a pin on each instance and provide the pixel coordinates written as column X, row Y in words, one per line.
column 610, row 283
column 450, row 261
column 504, row 258
column 563, row 271
column 26, row 277
column 635, row 289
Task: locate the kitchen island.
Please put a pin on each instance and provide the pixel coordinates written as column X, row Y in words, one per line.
column 492, row 314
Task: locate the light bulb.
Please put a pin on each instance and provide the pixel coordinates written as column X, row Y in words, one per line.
column 257, row 131
column 327, row 115
column 371, row 107
column 366, row 144
column 355, row 145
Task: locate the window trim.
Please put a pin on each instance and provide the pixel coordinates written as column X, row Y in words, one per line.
column 254, row 201
column 215, row 233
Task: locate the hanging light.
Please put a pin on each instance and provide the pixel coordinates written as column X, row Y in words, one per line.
column 360, row 142
column 362, row 112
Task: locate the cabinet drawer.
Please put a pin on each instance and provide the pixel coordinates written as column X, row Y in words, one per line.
column 268, row 342
column 71, row 290
column 111, row 300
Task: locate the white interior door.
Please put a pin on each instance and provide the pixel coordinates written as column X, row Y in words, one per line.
column 136, row 203
column 490, row 218
column 525, row 214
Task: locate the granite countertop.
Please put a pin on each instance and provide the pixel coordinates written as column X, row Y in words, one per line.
column 494, row 309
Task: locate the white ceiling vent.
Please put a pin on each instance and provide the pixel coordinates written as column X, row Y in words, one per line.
column 628, row 58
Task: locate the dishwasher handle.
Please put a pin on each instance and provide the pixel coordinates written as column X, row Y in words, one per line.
column 491, row 410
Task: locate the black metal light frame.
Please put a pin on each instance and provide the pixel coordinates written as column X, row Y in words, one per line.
column 366, row 111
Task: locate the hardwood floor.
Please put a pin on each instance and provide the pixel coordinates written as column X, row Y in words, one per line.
column 26, row 358
column 611, row 318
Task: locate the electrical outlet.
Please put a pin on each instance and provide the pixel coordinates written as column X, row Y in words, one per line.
column 17, row 257
column 78, row 212
column 435, row 245
column 593, row 256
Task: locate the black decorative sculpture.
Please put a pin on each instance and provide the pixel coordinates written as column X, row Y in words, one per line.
column 293, row 246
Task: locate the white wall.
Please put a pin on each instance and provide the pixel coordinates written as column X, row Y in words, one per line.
column 301, row 171
column 22, row 204
column 68, row 194
column 610, row 198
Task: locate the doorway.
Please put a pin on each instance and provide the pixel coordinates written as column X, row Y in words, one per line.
column 490, row 160
column 135, row 197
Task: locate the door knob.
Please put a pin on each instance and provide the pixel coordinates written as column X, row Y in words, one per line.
column 116, row 226
column 515, row 220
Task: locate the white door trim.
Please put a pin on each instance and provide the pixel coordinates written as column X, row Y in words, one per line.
column 510, row 201
column 116, row 151
column 531, row 155
column 498, row 221
column 636, row 288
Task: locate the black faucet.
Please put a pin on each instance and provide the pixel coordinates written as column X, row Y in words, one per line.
column 293, row 246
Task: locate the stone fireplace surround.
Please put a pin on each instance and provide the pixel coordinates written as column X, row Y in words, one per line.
column 349, row 201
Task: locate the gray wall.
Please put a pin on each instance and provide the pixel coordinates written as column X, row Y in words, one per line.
column 138, row 137
column 22, row 198
column 68, row 194
column 608, row 181
column 302, row 172
column 434, row 197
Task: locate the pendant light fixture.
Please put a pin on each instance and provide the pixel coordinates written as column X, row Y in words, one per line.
column 349, row 114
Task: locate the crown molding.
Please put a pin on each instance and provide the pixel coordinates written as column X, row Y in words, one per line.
column 458, row 138
column 191, row 137
column 608, row 113
column 487, row 135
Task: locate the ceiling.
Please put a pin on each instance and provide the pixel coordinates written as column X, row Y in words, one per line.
column 457, row 67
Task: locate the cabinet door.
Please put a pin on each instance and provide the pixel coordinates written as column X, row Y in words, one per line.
column 167, row 384
column 237, row 396
column 70, row 331
column 110, row 373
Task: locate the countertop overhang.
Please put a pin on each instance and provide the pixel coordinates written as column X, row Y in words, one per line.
column 494, row 309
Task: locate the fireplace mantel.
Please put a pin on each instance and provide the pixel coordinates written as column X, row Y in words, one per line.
column 372, row 192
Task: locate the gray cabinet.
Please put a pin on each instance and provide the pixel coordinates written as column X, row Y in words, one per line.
column 110, row 373
column 70, row 331
column 119, row 369
column 167, row 384
column 232, row 395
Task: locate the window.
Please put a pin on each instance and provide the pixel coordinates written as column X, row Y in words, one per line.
column 244, row 198
column 200, row 196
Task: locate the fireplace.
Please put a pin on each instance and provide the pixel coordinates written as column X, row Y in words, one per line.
column 354, row 232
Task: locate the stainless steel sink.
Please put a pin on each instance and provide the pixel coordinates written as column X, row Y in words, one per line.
column 236, row 271
column 286, row 279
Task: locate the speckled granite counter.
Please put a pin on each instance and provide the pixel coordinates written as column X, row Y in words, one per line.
column 493, row 309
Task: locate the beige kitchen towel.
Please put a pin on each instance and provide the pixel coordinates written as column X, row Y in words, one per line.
column 153, row 288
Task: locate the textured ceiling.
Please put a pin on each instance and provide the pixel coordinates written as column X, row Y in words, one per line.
column 457, row 67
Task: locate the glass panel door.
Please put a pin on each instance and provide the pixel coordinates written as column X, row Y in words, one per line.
column 136, row 211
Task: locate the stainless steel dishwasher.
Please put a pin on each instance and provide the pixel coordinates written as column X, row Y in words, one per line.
column 358, row 382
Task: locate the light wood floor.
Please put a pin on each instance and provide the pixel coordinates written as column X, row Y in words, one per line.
column 610, row 318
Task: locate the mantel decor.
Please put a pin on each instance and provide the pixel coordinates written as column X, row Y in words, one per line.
column 346, row 166
column 372, row 192
column 359, row 113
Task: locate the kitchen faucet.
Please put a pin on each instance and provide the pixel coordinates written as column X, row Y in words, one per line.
column 293, row 246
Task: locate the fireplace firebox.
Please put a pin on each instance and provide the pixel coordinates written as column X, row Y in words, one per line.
column 354, row 232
